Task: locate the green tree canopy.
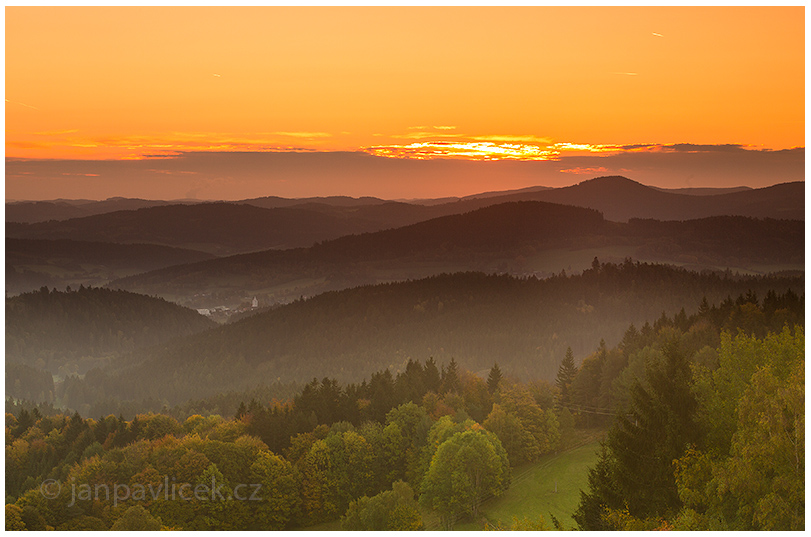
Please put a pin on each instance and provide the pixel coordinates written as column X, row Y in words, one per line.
column 136, row 518
column 391, row 510
column 465, row 469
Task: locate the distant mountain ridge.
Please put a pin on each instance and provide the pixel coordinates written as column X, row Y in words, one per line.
column 30, row 212
column 620, row 199
column 219, row 228
column 704, row 191
column 272, row 202
column 617, row 197
column 33, row 263
column 226, row 229
column 504, row 237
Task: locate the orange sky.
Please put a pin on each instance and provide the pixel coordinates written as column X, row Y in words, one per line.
column 481, row 83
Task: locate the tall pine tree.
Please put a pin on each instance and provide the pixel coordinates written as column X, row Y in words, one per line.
column 494, row 378
column 638, row 470
column 566, row 373
column 450, row 378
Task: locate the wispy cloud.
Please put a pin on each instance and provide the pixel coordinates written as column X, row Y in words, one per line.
column 303, row 134
column 27, row 145
column 587, row 148
column 586, row 170
column 657, row 34
column 429, row 127
column 524, row 138
column 135, row 147
column 625, row 74
column 486, row 147
column 172, row 172
column 689, row 148
column 422, row 135
column 21, row 104
column 56, row 133
column 463, row 150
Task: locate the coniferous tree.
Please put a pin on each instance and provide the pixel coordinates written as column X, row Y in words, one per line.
column 566, row 374
column 241, row 411
column 450, row 378
column 656, row 431
column 494, row 378
column 410, row 384
column 602, row 494
column 431, row 375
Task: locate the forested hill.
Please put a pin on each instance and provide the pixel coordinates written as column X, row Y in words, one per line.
column 219, row 228
column 74, row 330
column 471, row 241
column 30, row 212
column 523, row 324
column 32, row 264
column 621, row 199
column 517, row 237
column 497, row 228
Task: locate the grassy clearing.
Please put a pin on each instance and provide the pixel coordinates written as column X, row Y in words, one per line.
column 549, row 486
column 532, row 492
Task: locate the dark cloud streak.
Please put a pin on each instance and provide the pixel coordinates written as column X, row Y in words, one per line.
column 239, row 175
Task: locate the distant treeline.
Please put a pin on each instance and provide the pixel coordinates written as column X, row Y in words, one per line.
column 523, row 324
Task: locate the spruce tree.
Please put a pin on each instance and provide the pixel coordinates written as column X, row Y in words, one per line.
column 431, row 375
column 566, row 373
column 493, row 378
column 450, row 378
column 602, row 494
column 655, row 432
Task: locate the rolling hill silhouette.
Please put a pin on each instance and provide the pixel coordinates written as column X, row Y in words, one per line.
column 618, row 198
column 219, row 228
column 491, row 239
column 30, row 212
column 524, row 324
column 84, row 327
column 32, row 263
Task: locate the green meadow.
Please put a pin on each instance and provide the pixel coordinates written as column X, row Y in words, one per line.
column 550, row 486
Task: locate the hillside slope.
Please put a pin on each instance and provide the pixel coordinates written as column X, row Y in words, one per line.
column 70, row 332
column 30, row 212
column 523, row 324
column 218, row 228
column 510, row 237
column 33, row 263
column 620, row 199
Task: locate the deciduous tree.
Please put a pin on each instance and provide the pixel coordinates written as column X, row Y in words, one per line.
column 465, row 469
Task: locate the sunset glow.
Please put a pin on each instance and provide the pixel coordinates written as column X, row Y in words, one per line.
column 483, row 150
column 473, row 83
